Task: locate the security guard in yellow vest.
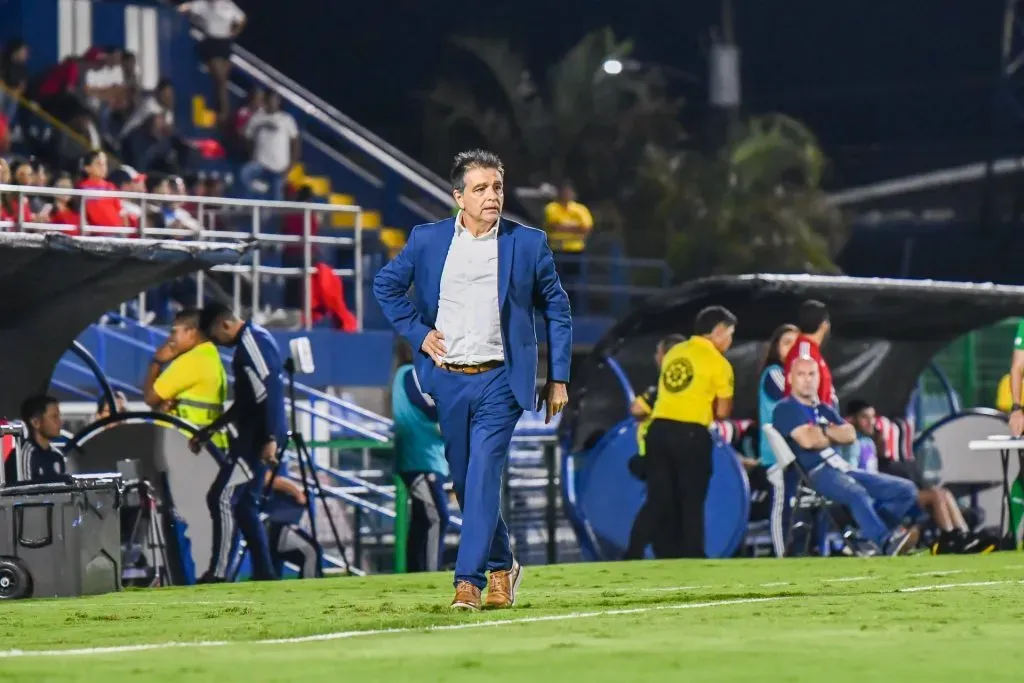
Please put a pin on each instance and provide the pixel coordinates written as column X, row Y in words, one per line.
column 193, row 385
column 695, row 388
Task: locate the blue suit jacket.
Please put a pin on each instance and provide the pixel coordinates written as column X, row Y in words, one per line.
column 527, row 283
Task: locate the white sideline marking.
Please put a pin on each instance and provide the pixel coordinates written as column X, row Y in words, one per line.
column 943, row 586
column 847, row 579
column 342, row 635
column 669, row 589
column 775, row 583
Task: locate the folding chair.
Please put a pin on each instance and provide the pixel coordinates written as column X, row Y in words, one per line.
column 808, row 499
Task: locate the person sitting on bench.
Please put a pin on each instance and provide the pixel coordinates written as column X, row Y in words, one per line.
column 811, row 430
column 868, row 453
column 35, row 459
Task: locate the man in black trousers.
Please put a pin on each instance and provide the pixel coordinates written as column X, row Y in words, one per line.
column 695, row 387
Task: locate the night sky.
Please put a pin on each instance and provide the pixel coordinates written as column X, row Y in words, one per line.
column 888, row 85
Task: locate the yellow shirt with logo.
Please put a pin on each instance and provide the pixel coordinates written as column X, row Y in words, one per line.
column 693, row 374
column 556, row 214
column 196, row 380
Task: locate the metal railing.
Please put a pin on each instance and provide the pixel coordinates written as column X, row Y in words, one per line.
column 403, row 166
column 381, row 426
column 261, row 210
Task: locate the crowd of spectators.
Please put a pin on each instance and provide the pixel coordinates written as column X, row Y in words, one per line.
column 108, row 215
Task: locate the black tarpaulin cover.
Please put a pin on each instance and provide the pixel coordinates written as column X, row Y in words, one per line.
column 884, row 334
column 54, row 286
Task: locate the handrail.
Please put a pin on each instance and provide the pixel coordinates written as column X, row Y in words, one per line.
column 177, row 198
column 32, row 106
column 299, row 387
column 309, row 103
column 257, row 235
column 406, row 167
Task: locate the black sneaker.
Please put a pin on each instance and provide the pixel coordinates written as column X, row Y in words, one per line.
column 976, row 544
column 948, row 543
column 209, row 577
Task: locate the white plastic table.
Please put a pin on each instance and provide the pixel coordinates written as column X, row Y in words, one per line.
column 1003, row 445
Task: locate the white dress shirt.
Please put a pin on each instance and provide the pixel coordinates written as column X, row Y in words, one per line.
column 467, row 312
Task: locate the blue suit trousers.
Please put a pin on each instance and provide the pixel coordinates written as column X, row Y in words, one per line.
column 477, row 415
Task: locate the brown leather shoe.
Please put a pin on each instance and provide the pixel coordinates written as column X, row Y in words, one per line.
column 502, row 586
column 467, row 597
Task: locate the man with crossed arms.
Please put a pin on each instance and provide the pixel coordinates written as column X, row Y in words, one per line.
column 478, row 280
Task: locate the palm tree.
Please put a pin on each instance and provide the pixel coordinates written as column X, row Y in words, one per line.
column 756, row 204
column 575, row 121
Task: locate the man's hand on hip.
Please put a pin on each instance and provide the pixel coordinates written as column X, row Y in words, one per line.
column 556, row 396
column 433, row 346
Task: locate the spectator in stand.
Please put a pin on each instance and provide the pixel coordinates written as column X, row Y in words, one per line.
column 100, row 211
column 22, row 173
column 180, row 217
column 221, row 21
column 158, row 102
column 293, row 255
column 130, row 70
column 63, row 211
column 149, row 138
column 275, row 148
column 5, row 178
column 254, row 103
column 40, row 178
column 104, row 86
column 14, row 74
column 127, row 179
column 159, row 215
column 567, row 222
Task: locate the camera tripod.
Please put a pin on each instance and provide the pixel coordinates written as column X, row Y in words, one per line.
column 310, row 484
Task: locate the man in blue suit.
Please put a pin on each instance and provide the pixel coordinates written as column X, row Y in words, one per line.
column 478, row 280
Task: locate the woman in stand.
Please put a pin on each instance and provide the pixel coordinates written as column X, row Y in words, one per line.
column 771, row 390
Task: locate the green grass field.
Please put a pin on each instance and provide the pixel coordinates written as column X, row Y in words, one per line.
column 880, row 619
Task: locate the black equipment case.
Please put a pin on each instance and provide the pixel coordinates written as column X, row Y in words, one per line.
column 61, row 539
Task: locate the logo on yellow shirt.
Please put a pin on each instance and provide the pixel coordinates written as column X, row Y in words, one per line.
column 678, row 375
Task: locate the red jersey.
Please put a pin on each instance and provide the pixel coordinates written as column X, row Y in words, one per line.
column 66, row 217
column 805, row 347
column 105, row 211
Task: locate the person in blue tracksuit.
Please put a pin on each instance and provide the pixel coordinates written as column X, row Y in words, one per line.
column 258, row 416
column 420, row 462
column 283, row 510
column 771, row 390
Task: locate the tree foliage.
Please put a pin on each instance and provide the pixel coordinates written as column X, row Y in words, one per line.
column 756, row 204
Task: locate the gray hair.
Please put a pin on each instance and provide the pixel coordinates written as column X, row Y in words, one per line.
column 474, row 158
